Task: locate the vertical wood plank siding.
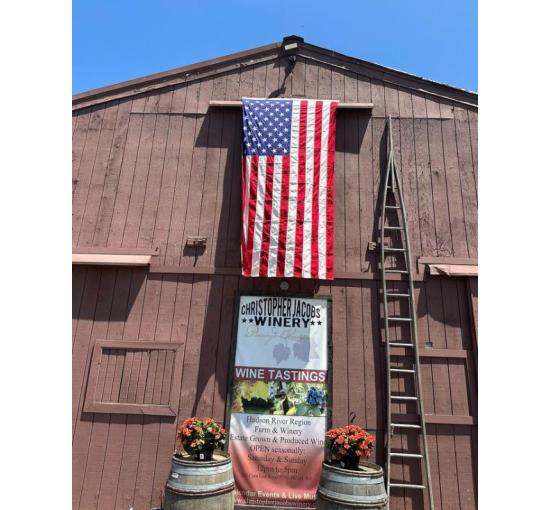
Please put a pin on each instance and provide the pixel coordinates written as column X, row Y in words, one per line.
column 151, row 170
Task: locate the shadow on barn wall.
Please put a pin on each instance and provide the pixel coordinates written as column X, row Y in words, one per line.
column 227, row 252
column 101, row 286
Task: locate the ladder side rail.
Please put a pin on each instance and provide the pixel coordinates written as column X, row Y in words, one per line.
column 414, row 331
column 386, row 331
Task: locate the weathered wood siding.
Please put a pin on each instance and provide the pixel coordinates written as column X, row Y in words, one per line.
column 153, row 169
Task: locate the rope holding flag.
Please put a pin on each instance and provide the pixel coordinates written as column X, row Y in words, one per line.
column 288, row 188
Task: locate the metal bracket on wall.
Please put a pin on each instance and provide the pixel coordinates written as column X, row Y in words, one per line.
column 195, row 241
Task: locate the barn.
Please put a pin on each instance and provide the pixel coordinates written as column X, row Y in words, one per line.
column 157, row 265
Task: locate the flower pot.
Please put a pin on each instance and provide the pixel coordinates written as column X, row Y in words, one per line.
column 351, row 489
column 204, row 454
column 350, row 462
column 200, row 485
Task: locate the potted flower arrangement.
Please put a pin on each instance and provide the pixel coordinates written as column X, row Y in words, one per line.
column 345, row 481
column 347, row 445
column 200, row 477
column 200, row 438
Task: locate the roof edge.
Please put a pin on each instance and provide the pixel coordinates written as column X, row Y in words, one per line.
column 136, row 85
column 171, row 73
column 389, row 70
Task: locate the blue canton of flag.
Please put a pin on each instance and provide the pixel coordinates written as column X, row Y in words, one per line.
column 266, row 125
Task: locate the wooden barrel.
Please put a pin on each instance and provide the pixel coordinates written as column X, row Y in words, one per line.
column 200, row 485
column 345, row 489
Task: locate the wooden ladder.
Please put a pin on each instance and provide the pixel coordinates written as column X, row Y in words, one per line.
column 402, row 358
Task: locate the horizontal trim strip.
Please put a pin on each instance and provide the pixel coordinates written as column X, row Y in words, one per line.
column 97, row 259
column 448, row 260
column 236, row 271
column 442, row 419
column 107, row 250
column 129, row 408
column 452, row 270
column 140, row 346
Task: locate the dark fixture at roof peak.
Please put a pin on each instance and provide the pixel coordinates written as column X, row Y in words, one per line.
column 292, row 38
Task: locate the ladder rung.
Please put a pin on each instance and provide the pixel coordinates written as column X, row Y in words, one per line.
column 396, row 294
column 395, row 318
column 392, row 227
column 407, row 425
column 391, row 248
column 407, row 485
column 393, row 207
column 403, row 370
column 407, row 455
column 402, row 397
column 400, row 344
column 399, row 271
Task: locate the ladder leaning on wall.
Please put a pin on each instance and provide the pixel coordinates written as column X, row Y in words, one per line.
column 402, row 358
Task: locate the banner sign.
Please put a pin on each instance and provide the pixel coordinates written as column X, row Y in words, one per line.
column 279, row 400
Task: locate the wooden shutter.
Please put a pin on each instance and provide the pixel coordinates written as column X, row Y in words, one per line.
column 134, row 378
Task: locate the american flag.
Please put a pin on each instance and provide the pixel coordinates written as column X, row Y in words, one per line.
column 288, row 188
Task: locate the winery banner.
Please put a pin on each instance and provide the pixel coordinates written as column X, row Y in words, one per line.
column 279, row 400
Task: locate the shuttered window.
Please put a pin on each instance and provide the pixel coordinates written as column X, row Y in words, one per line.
column 134, row 378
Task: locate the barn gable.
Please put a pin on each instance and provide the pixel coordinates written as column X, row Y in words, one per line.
column 280, row 55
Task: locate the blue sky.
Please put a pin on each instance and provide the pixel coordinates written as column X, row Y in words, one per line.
column 119, row 40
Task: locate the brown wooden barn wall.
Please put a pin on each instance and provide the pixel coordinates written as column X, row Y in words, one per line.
column 153, row 169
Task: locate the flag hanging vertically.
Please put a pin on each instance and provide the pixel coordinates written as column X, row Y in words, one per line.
column 288, row 188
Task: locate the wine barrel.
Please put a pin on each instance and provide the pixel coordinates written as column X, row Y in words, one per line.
column 200, row 485
column 346, row 489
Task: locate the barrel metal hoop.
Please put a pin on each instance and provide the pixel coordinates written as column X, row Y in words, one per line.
column 217, row 470
column 202, row 490
column 349, row 480
column 207, row 463
column 355, row 500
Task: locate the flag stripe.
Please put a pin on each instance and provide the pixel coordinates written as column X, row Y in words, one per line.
column 298, row 246
column 264, row 251
column 275, row 216
column 259, row 218
column 308, row 202
column 323, row 192
column 330, row 191
column 288, row 188
column 293, row 189
column 245, row 183
column 315, row 194
column 283, row 220
column 251, row 211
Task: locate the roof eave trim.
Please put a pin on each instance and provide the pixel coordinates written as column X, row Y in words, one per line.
column 389, row 70
column 139, row 85
column 169, row 75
